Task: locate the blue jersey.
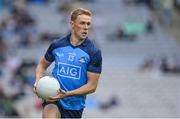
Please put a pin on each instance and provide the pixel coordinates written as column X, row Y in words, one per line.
column 71, row 66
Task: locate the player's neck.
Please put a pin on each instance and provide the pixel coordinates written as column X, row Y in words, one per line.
column 75, row 41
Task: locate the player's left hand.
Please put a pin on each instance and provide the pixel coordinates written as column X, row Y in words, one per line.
column 60, row 95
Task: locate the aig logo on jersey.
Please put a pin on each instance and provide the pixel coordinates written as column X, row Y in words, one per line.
column 69, row 71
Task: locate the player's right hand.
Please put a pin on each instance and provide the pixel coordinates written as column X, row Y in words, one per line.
column 34, row 89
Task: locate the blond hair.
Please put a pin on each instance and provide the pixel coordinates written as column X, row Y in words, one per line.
column 80, row 11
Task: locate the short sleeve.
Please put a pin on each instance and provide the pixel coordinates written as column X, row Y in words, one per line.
column 49, row 55
column 95, row 65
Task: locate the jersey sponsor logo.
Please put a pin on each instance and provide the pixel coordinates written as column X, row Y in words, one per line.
column 69, row 71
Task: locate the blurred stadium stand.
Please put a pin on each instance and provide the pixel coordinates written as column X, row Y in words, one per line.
column 141, row 66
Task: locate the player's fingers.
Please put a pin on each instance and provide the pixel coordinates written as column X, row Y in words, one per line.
column 51, row 100
column 62, row 91
column 38, row 95
column 34, row 90
column 54, row 97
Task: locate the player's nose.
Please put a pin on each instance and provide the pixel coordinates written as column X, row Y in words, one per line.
column 86, row 26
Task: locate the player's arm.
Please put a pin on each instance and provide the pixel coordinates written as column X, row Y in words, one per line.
column 93, row 74
column 88, row 88
column 41, row 67
column 45, row 62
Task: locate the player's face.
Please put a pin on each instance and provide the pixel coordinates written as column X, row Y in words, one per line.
column 81, row 26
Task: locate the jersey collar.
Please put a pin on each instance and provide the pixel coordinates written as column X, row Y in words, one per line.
column 83, row 43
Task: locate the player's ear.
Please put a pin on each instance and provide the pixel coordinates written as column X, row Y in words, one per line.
column 72, row 24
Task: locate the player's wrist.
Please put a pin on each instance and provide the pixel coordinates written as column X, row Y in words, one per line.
column 35, row 83
column 37, row 79
column 70, row 93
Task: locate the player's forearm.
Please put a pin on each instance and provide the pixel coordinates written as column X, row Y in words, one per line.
column 86, row 89
column 39, row 72
column 42, row 66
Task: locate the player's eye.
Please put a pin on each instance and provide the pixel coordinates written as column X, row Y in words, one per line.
column 88, row 23
column 82, row 23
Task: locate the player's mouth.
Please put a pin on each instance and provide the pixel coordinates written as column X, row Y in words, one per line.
column 84, row 33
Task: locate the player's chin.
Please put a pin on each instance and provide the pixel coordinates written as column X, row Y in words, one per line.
column 83, row 36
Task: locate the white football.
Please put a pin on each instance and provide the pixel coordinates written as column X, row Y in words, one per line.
column 47, row 86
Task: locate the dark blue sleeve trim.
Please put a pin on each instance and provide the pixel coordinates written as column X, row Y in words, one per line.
column 49, row 53
column 95, row 64
column 94, row 69
column 48, row 57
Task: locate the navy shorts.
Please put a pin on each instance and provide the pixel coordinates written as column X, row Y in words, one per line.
column 66, row 113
